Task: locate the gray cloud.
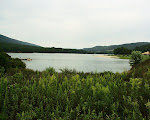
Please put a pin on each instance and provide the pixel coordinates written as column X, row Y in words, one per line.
column 76, row 23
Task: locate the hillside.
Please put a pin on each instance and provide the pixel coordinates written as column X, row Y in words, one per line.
column 140, row 70
column 12, row 45
column 143, row 48
column 111, row 47
column 4, row 39
column 8, row 47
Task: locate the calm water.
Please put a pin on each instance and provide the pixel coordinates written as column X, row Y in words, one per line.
column 80, row 62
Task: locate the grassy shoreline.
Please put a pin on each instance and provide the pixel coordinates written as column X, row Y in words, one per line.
column 145, row 57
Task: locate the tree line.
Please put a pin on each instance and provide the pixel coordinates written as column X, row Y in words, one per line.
column 5, row 47
column 126, row 51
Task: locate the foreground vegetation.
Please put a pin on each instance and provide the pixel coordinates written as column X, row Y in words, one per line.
column 70, row 95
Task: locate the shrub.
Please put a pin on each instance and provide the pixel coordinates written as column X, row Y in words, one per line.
column 136, row 57
column 7, row 62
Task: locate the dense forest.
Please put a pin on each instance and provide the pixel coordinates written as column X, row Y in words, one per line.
column 122, row 51
column 70, row 95
column 143, row 48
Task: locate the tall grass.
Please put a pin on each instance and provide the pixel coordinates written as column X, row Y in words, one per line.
column 48, row 95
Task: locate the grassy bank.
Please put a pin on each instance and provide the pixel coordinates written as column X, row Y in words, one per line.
column 145, row 57
column 124, row 56
column 72, row 95
column 121, row 56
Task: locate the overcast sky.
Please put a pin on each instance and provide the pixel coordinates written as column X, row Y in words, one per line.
column 76, row 23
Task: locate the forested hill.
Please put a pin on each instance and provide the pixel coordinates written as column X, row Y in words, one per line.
column 111, row 47
column 4, row 39
column 143, row 48
column 12, row 45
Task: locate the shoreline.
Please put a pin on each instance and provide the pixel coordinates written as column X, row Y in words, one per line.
column 106, row 56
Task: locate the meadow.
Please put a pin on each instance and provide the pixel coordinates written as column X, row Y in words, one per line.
column 70, row 95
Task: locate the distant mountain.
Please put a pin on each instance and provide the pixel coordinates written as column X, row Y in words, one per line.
column 11, row 45
column 4, row 39
column 105, row 49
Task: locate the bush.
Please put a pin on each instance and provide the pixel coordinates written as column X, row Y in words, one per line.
column 7, row 62
column 141, row 70
column 136, row 57
column 71, row 96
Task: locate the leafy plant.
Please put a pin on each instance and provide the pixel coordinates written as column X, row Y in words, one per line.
column 136, row 57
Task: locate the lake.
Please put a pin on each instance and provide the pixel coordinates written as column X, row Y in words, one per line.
column 79, row 62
